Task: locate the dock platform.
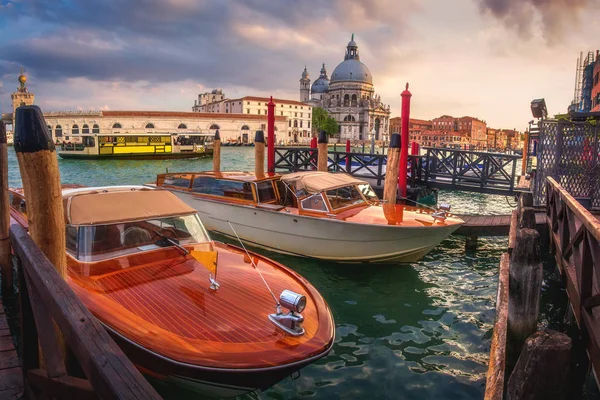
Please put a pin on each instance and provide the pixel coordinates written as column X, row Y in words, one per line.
column 11, row 375
column 492, row 225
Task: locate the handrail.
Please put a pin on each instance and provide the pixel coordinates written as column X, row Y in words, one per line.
column 586, row 217
column 46, row 301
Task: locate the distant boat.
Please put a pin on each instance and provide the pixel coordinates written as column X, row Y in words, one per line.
column 136, row 146
column 330, row 216
column 187, row 310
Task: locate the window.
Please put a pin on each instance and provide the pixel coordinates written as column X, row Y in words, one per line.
column 58, row 131
column 248, row 103
column 245, row 128
column 75, row 129
column 300, row 123
column 182, row 126
column 282, row 113
column 179, row 180
column 290, row 123
column 85, row 129
column 95, row 128
column 49, row 129
column 314, row 203
column 89, row 141
column 258, row 111
column 117, row 125
column 149, row 126
column 259, row 104
column 296, row 106
column 346, row 100
column 308, row 124
column 223, row 187
column 295, row 114
column 266, row 192
column 295, row 123
column 247, row 111
column 215, row 126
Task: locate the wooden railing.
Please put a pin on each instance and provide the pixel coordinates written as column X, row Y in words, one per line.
column 473, row 171
column 360, row 165
column 49, row 309
column 575, row 239
column 470, row 170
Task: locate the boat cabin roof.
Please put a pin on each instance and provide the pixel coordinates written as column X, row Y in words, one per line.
column 318, row 181
column 108, row 205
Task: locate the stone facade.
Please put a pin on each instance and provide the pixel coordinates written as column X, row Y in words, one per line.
column 298, row 115
column 349, row 97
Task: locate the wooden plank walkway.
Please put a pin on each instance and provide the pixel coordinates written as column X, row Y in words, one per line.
column 11, row 375
column 492, row 225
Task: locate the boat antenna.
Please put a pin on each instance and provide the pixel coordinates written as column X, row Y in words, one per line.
column 256, row 267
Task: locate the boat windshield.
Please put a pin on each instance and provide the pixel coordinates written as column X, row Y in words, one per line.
column 368, row 192
column 344, row 196
column 100, row 242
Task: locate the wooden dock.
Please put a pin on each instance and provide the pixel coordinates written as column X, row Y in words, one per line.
column 11, row 375
column 493, row 225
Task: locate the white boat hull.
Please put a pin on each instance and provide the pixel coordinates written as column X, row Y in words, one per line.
column 321, row 238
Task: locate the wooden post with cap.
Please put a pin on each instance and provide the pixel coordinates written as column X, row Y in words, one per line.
column 41, row 181
column 322, row 149
column 259, row 154
column 391, row 176
column 271, row 136
column 5, row 254
column 217, row 152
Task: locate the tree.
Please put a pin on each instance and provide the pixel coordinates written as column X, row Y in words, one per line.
column 322, row 121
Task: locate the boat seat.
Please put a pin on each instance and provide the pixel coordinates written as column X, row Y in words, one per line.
column 134, row 236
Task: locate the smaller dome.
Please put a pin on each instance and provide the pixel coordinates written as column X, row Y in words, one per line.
column 305, row 73
column 22, row 79
column 320, row 86
column 352, row 43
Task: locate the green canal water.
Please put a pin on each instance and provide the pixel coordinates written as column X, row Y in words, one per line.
column 418, row 331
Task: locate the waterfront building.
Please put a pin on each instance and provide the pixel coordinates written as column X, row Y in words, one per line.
column 416, row 127
column 596, row 84
column 298, row 115
column 474, row 128
column 349, row 97
column 67, row 125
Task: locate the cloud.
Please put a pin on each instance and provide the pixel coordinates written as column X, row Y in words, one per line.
column 552, row 18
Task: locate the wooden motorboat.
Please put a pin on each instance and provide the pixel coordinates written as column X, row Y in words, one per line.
column 185, row 309
column 331, row 216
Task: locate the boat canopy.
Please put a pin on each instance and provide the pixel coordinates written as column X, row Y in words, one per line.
column 318, row 181
column 99, row 207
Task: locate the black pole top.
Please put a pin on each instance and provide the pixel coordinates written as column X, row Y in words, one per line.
column 2, row 133
column 259, row 137
column 31, row 132
column 322, row 137
column 217, row 135
column 395, row 141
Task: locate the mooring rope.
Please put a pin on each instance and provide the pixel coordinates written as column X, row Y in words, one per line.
column 254, row 265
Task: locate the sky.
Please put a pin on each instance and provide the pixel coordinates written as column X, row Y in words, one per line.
column 483, row 58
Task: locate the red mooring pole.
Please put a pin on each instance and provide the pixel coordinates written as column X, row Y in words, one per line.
column 271, row 136
column 405, row 116
column 347, row 145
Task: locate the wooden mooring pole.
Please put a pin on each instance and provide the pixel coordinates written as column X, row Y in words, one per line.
column 259, row 154
column 322, row 150
column 41, row 181
column 217, row 152
column 390, row 185
column 5, row 254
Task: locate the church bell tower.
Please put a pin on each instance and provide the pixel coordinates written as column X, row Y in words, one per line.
column 21, row 97
column 304, row 86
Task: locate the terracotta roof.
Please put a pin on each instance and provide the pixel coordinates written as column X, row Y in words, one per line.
column 183, row 114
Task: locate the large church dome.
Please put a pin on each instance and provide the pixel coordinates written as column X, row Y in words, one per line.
column 351, row 69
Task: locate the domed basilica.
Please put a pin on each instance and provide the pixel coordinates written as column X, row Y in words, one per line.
column 349, row 97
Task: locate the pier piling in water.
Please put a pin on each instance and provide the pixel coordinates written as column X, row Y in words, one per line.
column 5, row 253
column 259, row 154
column 217, row 152
column 542, row 371
column 391, row 177
column 322, row 149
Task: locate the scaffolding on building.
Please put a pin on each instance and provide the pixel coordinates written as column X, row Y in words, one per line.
column 583, row 83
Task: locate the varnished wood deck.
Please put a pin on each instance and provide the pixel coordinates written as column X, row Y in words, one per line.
column 11, row 376
column 492, row 225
